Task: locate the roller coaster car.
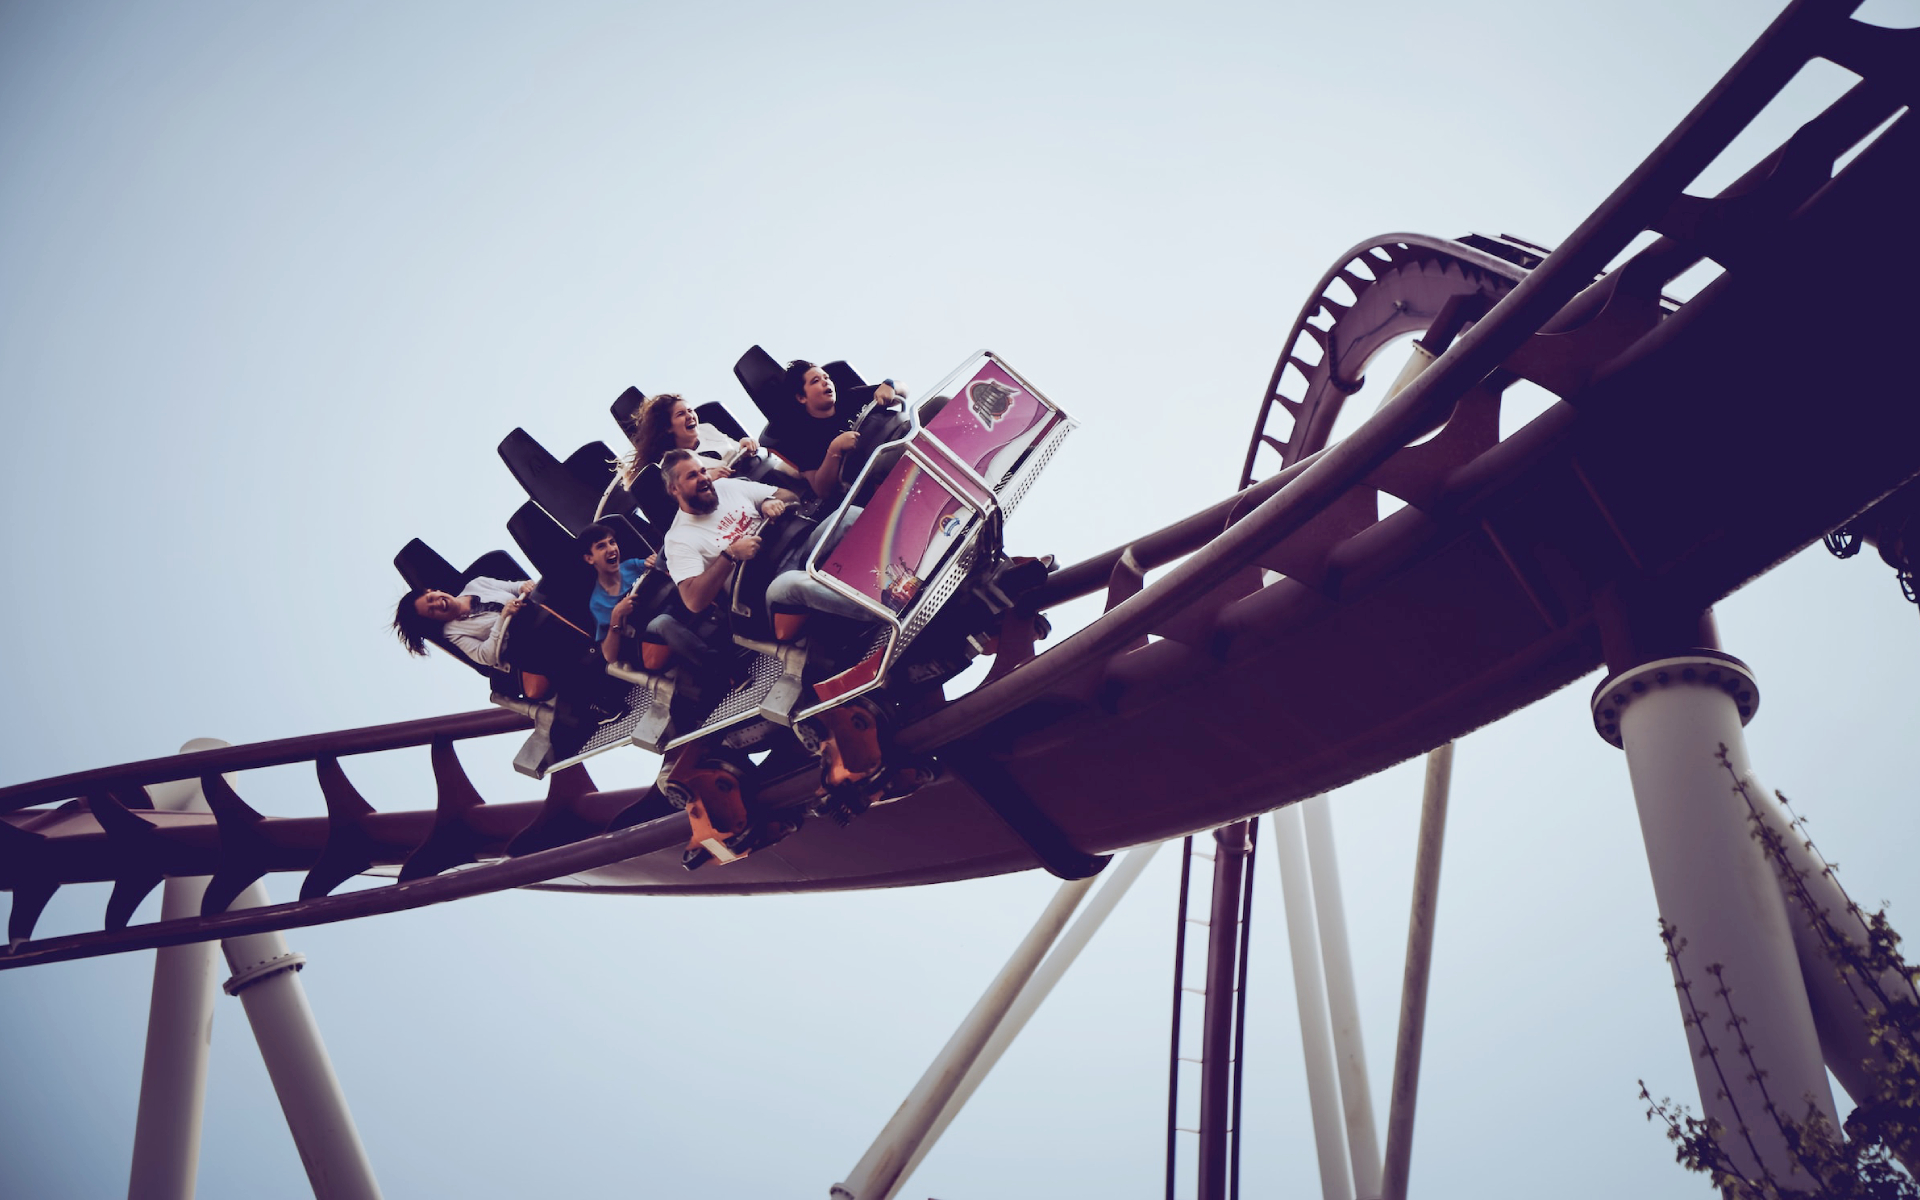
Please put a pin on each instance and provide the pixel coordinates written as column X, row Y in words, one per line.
column 915, row 543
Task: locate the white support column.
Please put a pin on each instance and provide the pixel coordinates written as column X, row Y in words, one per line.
column 1343, row 998
column 266, row 978
column 879, row 1170
column 1718, row 892
column 166, row 1147
column 1838, row 998
column 1310, row 993
column 1413, row 980
column 173, row 1080
column 1119, row 878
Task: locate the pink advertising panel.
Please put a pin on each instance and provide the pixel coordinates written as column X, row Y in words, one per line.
column 991, row 416
column 900, row 538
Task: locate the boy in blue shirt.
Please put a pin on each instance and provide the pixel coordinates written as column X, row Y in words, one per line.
column 610, row 601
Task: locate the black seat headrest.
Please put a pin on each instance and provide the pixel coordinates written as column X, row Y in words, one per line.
column 759, row 373
column 494, row 564
column 715, row 414
column 547, row 546
column 635, row 541
column 626, row 409
column 422, row 567
column 593, row 465
column 558, row 487
column 845, row 377
column 649, row 491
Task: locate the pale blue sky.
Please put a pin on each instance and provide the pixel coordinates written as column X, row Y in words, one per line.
column 274, row 281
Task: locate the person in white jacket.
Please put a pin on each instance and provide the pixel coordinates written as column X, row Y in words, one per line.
column 475, row 621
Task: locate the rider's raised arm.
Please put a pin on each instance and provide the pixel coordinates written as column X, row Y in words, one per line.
column 825, row 478
column 698, row 590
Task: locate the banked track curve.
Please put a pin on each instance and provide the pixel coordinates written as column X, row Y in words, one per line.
column 1294, row 639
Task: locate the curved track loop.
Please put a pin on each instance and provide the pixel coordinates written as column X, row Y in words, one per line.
column 1400, row 284
column 1304, row 641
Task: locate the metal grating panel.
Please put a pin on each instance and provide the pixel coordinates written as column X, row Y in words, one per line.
column 745, row 699
column 1034, row 466
column 937, row 596
column 639, row 703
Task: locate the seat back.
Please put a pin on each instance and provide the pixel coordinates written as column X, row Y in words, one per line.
column 494, row 564
column 422, row 567
column 716, row 414
column 759, row 373
column 565, row 578
column 626, row 409
column 558, row 489
column 547, row 546
column 649, row 493
column 593, row 465
column 845, row 378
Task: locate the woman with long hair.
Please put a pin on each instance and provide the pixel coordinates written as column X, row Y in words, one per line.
column 667, row 422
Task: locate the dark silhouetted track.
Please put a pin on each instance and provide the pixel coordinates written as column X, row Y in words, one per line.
column 1288, row 639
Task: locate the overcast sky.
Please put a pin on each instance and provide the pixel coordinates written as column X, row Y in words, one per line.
column 275, row 280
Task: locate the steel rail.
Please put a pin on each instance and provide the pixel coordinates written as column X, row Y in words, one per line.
column 367, row 739
column 1845, row 122
column 1639, row 201
column 539, row 867
column 1155, row 549
column 1285, row 503
column 1317, row 300
column 1188, row 534
column 1851, row 117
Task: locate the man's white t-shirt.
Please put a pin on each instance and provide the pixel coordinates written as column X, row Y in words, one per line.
column 694, row 541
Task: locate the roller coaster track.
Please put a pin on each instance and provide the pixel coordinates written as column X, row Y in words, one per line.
column 1295, row 640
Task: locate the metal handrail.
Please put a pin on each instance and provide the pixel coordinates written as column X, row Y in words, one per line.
column 367, row 739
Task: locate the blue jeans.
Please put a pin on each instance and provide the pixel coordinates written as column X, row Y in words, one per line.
column 687, row 641
column 797, row 589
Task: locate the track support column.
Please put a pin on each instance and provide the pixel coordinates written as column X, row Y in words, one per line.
column 1119, row 878
column 266, row 978
column 1310, row 996
column 173, row 1084
column 1343, row 998
column 173, row 1081
column 1730, row 941
column 880, row 1169
column 1413, row 981
column 1218, row 1049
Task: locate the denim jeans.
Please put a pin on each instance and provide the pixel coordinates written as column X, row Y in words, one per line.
column 687, row 641
column 797, row 589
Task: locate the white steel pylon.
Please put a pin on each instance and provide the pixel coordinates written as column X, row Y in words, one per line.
column 995, row 1020
column 1730, row 940
column 166, row 1148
